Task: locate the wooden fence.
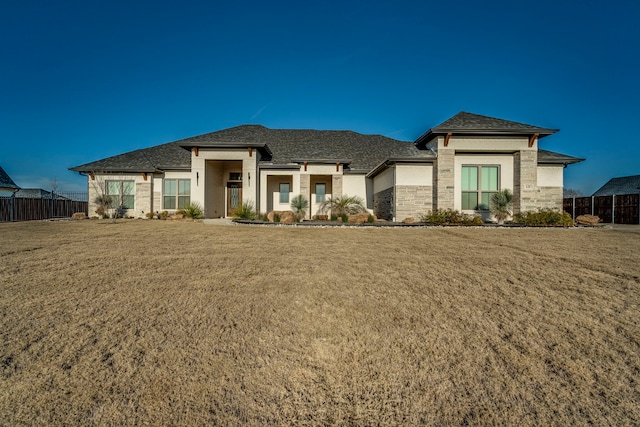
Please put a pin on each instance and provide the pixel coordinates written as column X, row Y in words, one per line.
column 55, row 206
column 617, row 209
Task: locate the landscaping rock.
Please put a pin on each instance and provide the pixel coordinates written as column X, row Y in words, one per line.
column 588, row 220
column 360, row 218
column 285, row 216
column 79, row 215
column 409, row 220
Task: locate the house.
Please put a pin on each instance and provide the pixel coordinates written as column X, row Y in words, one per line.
column 7, row 186
column 458, row 165
column 619, row 186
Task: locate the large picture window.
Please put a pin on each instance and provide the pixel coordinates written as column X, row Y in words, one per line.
column 479, row 183
column 177, row 193
column 122, row 194
column 284, row 192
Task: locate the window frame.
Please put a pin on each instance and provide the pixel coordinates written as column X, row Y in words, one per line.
column 179, row 197
column 122, row 200
column 479, row 192
column 284, row 195
column 324, row 193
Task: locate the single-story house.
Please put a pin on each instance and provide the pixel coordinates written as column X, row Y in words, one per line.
column 7, row 186
column 457, row 165
column 620, row 186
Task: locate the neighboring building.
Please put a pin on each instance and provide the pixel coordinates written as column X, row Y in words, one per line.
column 455, row 165
column 620, row 186
column 7, row 186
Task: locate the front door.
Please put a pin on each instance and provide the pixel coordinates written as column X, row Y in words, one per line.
column 234, row 196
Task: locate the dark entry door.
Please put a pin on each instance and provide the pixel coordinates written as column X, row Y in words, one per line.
column 234, row 196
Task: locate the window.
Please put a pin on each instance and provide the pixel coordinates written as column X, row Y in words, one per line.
column 321, row 192
column 479, row 183
column 177, row 193
column 284, row 192
column 122, row 194
column 235, row 176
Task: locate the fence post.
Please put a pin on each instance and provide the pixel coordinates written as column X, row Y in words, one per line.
column 573, row 208
column 12, row 205
column 592, row 205
column 613, row 209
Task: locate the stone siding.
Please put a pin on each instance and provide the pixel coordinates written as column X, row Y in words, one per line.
column 383, row 204
column 143, row 202
column 550, row 198
column 525, row 180
column 413, row 201
column 445, row 179
column 336, row 186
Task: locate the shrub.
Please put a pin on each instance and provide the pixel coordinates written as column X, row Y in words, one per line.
column 371, row 219
column 192, row 211
column 544, row 218
column 343, row 205
column 276, row 217
column 450, row 217
column 246, row 210
column 150, row 215
column 501, row 204
column 299, row 206
column 163, row 215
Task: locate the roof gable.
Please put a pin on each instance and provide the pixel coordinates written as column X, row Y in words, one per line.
column 6, row 181
column 476, row 124
column 620, row 185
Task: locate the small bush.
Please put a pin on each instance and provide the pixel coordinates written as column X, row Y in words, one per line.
column 543, row 218
column 450, row 217
column 150, row 215
column 246, row 210
column 192, row 211
column 334, row 217
column 163, row 215
column 263, row 217
column 371, row 219
column 344, row 218
column 276, row 217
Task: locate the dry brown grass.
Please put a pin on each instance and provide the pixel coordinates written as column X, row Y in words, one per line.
column 181, row 323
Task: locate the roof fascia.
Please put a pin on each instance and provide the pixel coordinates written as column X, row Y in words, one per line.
column 262, row 147
column 395, row 160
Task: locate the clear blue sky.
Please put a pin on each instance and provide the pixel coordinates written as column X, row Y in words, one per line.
column 84, row 80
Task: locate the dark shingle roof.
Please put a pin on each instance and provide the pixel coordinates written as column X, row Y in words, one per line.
column 285, row 146
column 363, row 152
column 550, row 157
column 469, row 123
column 5, row 180
column 160, row 157
column 280, row 146
column 620, row 185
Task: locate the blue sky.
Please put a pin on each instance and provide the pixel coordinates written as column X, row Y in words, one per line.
column 84, row 80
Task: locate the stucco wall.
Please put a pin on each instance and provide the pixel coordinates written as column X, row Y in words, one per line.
column 503, row 161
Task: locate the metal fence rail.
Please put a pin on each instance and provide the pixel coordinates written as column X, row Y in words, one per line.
column 616, row 209
column 57, row 205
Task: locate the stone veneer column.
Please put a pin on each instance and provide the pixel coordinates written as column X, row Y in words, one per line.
column 305, row 184
column 444, row 183
column 525, row 180
column 143, row 202
column 336, row 186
